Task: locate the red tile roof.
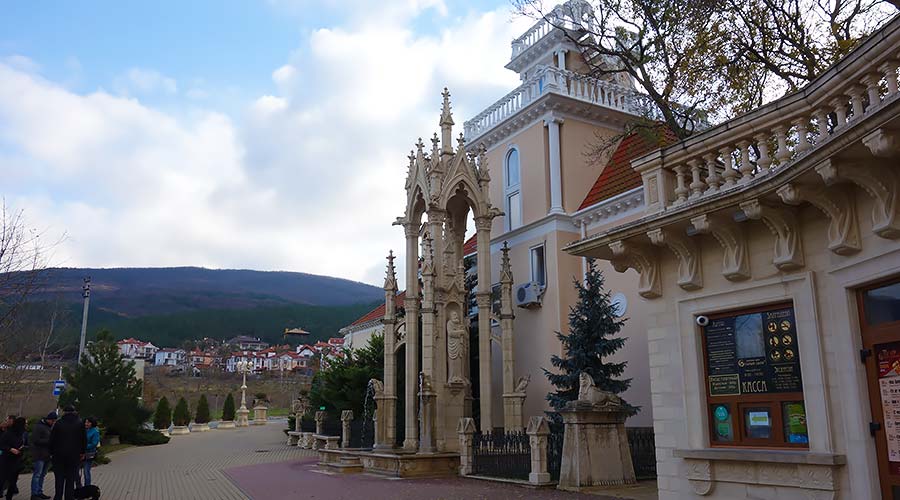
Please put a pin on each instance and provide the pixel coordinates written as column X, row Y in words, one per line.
column 618, row 176
column 378, row 312
column 470, row 246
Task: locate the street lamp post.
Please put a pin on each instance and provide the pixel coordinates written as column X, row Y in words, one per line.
column 243, row 413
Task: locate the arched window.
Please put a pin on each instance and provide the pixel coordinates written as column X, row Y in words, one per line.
column 513, row 191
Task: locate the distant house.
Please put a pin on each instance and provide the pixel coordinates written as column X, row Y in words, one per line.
column 202, row 360
column 256, row 360
column 247, row 343
column 131, row 348
column 358, row 333
column 170, row 357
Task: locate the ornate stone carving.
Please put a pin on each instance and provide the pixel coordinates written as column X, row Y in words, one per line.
column 522, row 383
column 457, row 349
column 784, row 227
column 641, row 259
column 880, row 182
column 733, row 239
column 699, row 474
column 589, row 393
column 690, row 276
column 837, row 203
column 883, row 143
column 377, row 387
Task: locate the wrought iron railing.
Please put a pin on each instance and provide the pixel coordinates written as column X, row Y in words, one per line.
column 643, row 451
column 502, row 454
column 554, row 450
column 362, row 433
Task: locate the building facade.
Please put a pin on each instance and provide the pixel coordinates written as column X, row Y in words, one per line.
column 767, row 257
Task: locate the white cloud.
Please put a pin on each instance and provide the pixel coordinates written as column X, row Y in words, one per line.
column 308, row 178
column 145, row 81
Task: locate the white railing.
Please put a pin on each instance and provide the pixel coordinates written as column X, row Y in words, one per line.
column 569, row 15
column 773, row 137
column 552, row 80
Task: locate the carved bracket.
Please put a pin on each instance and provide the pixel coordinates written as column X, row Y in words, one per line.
column 641, row 259
column 837, row 203
column 690, row 276
column 784, row 226
column 883, row 185
column 735, row 261
column 883, row 143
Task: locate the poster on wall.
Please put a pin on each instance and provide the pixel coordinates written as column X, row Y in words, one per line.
column 754, row 353
column 888, row 356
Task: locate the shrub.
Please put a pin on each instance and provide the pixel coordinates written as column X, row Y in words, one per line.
column 146, row 437
column 228, row 408
column 181, row 416
column 162, row 419
column 202, row 415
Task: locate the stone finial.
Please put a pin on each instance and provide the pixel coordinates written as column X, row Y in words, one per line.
column 505, row 269
column 446, row 125
column 435, row 146
column 466, row 425
column 446, row 114
column 420, row 148
column 461, row 142
column 390, row 275
column 538, row 426
column 346, row 415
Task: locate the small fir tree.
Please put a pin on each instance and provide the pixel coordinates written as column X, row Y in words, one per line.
column 592, row 338
column 162, row 419
column 182, row 415
column 228, row 408
column 202, row 415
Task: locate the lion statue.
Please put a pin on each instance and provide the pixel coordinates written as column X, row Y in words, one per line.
column 588, row 392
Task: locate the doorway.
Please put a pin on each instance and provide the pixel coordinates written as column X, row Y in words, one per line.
column 879, row 309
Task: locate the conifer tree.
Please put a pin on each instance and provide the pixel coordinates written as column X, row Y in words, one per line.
column 592, row 338
column 228, row 408
column 202, row 415
column 162, row 419
column 182, row 415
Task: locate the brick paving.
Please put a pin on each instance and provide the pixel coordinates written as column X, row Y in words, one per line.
column 189, row 467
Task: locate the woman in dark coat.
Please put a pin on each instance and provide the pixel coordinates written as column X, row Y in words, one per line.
column 12, row 444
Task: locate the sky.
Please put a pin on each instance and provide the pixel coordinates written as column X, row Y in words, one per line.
column 251, row 134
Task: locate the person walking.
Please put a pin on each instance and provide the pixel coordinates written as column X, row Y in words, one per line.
column 3, row 426
column 12, row 443
column 67, row 445
column 92, row 437
column 40, row 454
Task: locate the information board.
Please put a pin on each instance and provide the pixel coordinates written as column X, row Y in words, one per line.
column 889, row 383
column 754, row 353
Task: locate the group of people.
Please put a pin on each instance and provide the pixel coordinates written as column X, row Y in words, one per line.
column 67, row 443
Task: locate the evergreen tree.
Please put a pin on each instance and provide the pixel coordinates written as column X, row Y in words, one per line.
column 202, row 415
column 228, row 408
column 592, row 338
column 105, row 385
column 162, row 419
column 182, row 415
column 343, row 385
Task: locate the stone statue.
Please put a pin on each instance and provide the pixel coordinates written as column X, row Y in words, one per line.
column 377, row 387
column 424, row 383
column 588, row 392
column 522, row 383
column 457, row 348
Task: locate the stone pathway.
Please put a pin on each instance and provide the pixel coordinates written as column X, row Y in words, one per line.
column 189, row 467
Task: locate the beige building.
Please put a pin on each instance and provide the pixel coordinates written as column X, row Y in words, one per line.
column 768, row 259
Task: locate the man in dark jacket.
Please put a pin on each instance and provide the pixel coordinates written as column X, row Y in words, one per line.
column 67, row 444
column 40, row 455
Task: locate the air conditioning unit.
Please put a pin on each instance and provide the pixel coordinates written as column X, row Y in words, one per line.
column 529, row 295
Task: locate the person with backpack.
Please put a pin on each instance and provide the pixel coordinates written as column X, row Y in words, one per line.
column 12, row 444
column 67, row 444
column 40, row 454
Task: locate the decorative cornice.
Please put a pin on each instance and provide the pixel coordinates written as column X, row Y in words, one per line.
column 611, row 209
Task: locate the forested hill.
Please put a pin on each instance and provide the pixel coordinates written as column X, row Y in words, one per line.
column 170, row 305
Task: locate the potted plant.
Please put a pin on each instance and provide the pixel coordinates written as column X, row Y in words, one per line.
column 162, row 419
column 181, row 417
column 228, row 412
column 201, row 418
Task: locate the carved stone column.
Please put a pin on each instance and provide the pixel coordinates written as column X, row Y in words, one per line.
column 346, row 418
column 426, row 413
column 538, row 430
column 483, row 299
column 387, row 402
column 513, row 400
column 411, row 304
column 320, row 422
column 466, row 431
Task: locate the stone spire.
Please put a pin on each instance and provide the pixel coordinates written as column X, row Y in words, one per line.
column 390, row 278
column 446, row 125
column 505, row 269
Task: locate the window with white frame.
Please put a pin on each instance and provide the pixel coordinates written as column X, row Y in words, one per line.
column 513, row 191
column 538, row 265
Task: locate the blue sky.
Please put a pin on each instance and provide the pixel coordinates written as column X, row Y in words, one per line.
column 249, row 134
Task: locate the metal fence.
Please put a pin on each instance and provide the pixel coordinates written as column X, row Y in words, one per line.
column 643, row 451
column 362, row 433
column 554, row 450
column 502, row 454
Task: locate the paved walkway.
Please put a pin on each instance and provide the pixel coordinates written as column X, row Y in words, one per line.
column 189, row 467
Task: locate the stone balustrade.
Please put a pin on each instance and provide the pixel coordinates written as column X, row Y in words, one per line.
column 569, row 15
column 742, row 151
column 551, row 79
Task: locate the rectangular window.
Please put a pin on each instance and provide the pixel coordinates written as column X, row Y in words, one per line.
column 514, row 210
column 753, row 382
column 538, row 269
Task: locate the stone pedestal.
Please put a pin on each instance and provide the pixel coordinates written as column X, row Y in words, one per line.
column 466, row 433
column 384, row 422
column 538, row 430
column 260, row 415
column 595, row 446
column 179, row 430
column 346, row 418
column 226, row 424
column 513, row 420
column 200, row 427
column 426, row 425
column 320, row 422
column 243, row 417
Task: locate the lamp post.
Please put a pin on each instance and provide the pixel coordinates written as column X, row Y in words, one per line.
column 243, row 412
